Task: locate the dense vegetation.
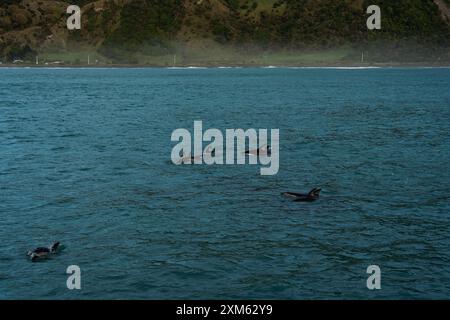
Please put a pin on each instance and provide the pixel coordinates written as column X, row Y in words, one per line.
column 128, row 30
column 145, row 26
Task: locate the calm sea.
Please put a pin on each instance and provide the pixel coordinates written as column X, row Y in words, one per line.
column 85, row 159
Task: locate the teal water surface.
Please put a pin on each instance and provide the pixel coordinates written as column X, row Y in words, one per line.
column 85, row 159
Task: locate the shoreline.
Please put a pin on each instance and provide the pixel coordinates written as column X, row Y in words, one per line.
column 230, row 66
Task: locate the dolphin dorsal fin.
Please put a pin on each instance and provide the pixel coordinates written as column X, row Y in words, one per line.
column 54, row 246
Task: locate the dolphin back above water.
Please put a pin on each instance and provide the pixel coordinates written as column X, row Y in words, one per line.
column 43, row 252
column 262, row 151
column 313, row 195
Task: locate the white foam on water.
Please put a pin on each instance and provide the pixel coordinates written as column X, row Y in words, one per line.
column 185, row 68
column 336, row 68
column 228, row 67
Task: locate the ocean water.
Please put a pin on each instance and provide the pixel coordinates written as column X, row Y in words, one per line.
column 85, row 159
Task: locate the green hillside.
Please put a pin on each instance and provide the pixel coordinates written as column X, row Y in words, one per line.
column 159, row 32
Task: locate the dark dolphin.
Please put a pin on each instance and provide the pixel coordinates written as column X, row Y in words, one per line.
column 42, row 253
column 313, row 195
column 263, row 151
column 185, row 159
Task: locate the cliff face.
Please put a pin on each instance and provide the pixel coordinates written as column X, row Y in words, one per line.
column 117, row 29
